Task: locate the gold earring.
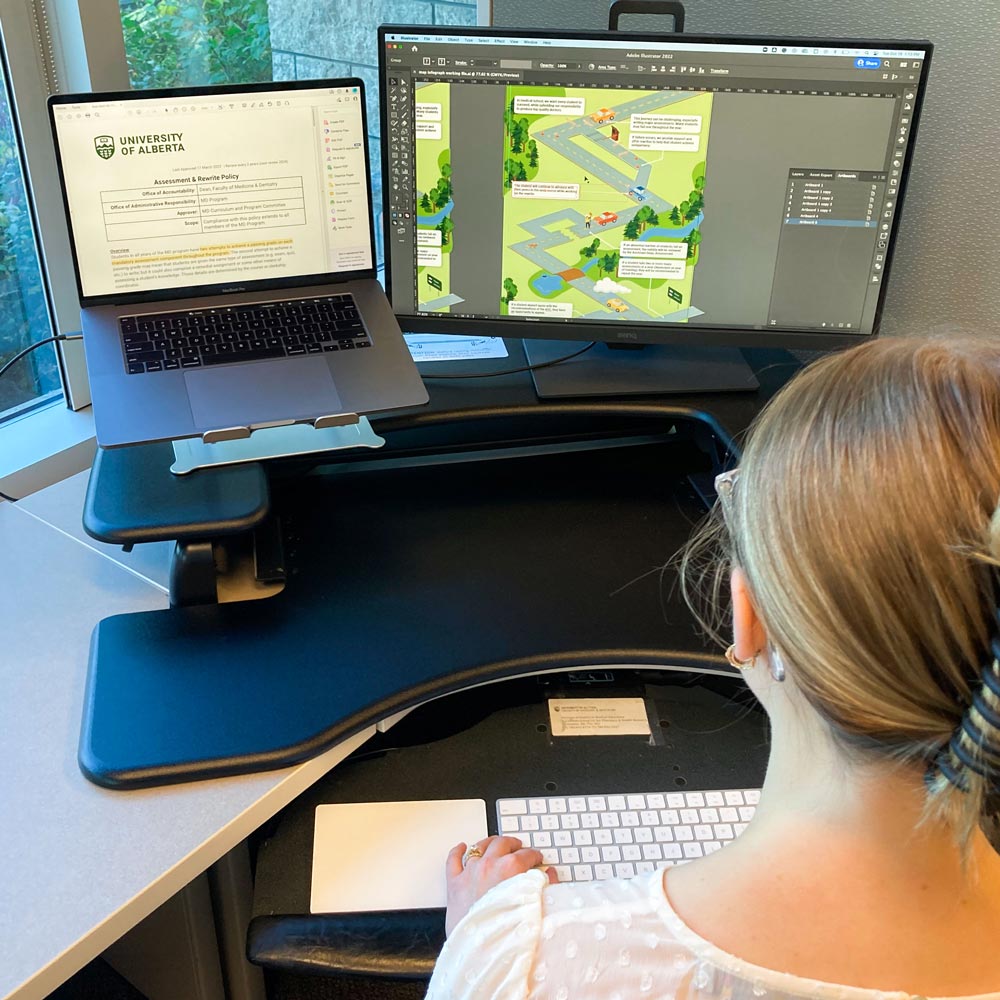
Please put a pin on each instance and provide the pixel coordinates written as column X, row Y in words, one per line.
column 735, row 661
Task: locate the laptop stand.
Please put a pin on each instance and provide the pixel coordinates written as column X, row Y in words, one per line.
column 289, row 441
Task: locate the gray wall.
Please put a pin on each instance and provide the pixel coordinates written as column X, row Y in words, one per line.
column 946, row 272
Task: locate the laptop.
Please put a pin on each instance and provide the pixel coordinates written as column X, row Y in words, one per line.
column 223, row 243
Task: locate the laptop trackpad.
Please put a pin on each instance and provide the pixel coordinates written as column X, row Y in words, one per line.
column 260, row 392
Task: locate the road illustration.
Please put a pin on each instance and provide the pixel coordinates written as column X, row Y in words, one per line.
column 603, row 202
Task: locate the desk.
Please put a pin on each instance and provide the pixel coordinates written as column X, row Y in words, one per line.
column 86, row 864
column 83, row 865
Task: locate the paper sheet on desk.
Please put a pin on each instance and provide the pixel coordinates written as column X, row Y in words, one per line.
column 447, row 347
column 388, row 855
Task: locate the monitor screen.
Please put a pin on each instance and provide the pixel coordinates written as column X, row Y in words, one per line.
column 643, row 188
column 209, row 187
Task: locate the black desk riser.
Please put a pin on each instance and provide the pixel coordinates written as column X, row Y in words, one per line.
column 411, row 572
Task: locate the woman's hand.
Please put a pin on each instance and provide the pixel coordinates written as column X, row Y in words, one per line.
column 498, row 858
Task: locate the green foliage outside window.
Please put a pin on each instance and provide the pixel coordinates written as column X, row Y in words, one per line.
column 23, row 316
column 195, row 42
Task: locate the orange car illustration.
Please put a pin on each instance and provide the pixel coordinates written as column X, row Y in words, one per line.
column 602, row 116
column 605, row 217
column 617, row 305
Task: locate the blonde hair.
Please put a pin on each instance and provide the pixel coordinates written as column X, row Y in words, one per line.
column 865, row 521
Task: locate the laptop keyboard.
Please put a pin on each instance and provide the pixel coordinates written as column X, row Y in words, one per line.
column 156, row 342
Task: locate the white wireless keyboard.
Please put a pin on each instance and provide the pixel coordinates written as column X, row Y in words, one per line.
column 592, row 837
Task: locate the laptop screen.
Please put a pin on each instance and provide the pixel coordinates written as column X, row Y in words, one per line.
column 208, row 189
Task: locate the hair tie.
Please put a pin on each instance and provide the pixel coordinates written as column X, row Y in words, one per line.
column 971, row 731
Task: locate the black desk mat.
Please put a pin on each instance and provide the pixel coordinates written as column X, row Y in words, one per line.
column 490, row 743
column 402, row 585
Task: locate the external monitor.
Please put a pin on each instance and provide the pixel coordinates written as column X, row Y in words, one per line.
column 690, row 192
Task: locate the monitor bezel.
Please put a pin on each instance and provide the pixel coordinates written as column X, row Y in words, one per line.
column 225, row 287
column 649, row 333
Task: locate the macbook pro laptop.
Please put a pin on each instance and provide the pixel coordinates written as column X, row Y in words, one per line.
column 223, row 243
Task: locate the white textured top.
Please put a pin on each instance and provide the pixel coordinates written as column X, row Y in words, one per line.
column 613, row 940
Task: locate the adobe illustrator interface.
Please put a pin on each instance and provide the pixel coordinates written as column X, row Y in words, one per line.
column 564, row 180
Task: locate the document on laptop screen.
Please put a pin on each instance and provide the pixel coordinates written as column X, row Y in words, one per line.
column 183, row 191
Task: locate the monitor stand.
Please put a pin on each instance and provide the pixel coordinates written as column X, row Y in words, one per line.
column 613, row 370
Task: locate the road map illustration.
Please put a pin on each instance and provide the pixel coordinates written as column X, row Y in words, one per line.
column 603, row 199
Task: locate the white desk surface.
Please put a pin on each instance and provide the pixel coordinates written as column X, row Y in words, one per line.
column 83, row 864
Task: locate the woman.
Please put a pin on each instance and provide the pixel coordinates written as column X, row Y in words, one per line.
column 862, row 542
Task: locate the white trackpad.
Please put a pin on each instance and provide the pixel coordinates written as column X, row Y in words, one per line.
column 259, row 392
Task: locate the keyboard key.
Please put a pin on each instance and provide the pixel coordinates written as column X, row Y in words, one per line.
column 643, row 835
column 577, row 804
column 746, row 813
column 550, row 856
column 752, row 796
column 644, row 868
column 597, row 803
column 656, row 801
column 689, row 816
column 695, row 799
column 663, row 834
column 530, row 823
column 703, row 832
column 583, row 873
column 714, row 799
column 683, row 833
column 602, row 872
column 603, row 837
column 616, row 803
column 631, row 852
column 711, row 846
column 569, row 821
column 583, row 838
column 625, row 870
column 709, row 815
column 675, row 800
column 729, row 815
column 590, row 854
column 557, row 805
column 542, row 839
column 537, row 806
column 562, row 838
column 636, row 802
column 723, row 831
column 512, row 807
column 508, row 824
column 590, row 821
column 652, row 852
column 734, row 798
column 611, row 853
column 563, row 873
column 693, row 850
column 569, row 856
column 550, row 821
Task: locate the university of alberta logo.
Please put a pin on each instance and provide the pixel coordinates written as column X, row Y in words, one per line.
column 105, row 146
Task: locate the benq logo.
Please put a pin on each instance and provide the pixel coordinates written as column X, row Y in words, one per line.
column 104, row 145
column 626, row 335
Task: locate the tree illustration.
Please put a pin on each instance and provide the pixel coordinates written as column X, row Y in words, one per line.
column 425, row 205
column 675, row 216
column 510, row 290
column 631, row 229
column 445, row 227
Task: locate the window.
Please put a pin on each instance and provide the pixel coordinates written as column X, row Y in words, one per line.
column 24, row 316
column 246, row 41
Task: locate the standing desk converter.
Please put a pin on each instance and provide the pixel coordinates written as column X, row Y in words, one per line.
column 494, row 536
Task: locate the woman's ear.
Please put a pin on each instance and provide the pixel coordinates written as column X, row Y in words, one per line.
column 749, row 636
